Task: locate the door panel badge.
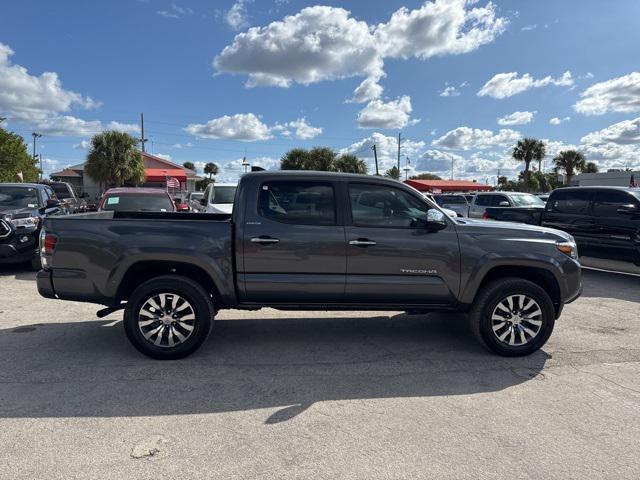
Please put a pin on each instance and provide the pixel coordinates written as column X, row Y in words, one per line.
column 418, row 271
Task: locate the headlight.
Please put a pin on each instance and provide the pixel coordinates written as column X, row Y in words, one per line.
column 568, row 248
column 28, row 222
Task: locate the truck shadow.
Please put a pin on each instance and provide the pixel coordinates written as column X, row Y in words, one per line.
column 285, row 366
column 19, row 272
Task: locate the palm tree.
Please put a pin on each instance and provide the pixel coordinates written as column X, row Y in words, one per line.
column 571, row 161
column 528, row 150
column 349, row 163
column 189, row 165
column 294, row 159
column 321, row 159
column 393, row 172
column 113, row 159
column 590, row 167
column 211, row 169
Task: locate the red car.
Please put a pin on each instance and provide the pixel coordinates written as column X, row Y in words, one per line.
column 130, row 199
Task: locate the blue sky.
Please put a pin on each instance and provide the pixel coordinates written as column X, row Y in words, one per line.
column 220, row 79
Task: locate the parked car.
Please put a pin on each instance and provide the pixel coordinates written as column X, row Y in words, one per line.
column 133, row 199
column 482, row 200
column 22, row 208
column 311, row 240
column 456, row 202
column 194, row 201
column 181, row 205
column 469, row 197
column 543, row 196
column 218, row 197
column 451, row 213
column 605, row 221
column 69, row 200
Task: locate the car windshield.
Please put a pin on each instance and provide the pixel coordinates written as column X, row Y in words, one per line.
column 61, row 190
column 451, row 199
column 224, row 194
column 197, row 195
column 18, row 197
column 137, row 202
column 526, row 200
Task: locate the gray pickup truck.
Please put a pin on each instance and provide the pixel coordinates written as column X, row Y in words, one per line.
column 310, row 240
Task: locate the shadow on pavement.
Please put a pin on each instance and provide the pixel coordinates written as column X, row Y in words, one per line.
column 19, row 272
column 610, row 285
column 88, row 369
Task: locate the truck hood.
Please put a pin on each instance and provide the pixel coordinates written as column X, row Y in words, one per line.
column 509, row 230
column 17, row 213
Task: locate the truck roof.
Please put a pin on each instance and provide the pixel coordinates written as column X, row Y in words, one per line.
column 142, row 190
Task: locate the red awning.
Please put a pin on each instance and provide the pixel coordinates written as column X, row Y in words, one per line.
column 448, row 186
column 161, row 174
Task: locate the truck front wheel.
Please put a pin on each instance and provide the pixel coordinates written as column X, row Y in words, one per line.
column 168, row 317
column 512, row 317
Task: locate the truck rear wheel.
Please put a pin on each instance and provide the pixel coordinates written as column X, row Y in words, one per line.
column 168, row 317
column 512, row 317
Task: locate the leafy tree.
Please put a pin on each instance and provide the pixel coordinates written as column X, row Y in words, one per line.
column 528, row 150
column 349, row 163
column 425, row 176
column 189, row 165
column 15, row 159
column 393, row 172
column 590, row 167
column 113, row 159
column 211, row 169
column 294, row 159
column 570, row 161
column 202, row 184
column 321, row 159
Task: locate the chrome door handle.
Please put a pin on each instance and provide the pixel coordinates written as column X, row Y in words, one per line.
column 362, row 243
column 264, row 240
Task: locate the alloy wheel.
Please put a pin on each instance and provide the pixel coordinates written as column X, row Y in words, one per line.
column 516, row 320
column 166, row 320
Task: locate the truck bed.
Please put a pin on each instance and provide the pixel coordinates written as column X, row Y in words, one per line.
column 95, row 250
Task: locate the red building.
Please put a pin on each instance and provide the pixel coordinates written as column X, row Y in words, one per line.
column 448, row 186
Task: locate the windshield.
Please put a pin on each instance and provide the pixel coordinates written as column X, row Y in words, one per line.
column 451, row 199
column 526, row 200
column 18, row 197
column 223, row 194
column 197, row 195
column 137, row 202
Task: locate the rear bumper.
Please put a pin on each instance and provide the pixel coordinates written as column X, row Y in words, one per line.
column 45, row 284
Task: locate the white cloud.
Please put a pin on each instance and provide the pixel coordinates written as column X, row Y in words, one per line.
column 503, row 85
column 621, row 94
column 387, row 150
column 84, row 144
column 437, row 161
column 558, row 121
column 466, row 138
column 175, row 12
column 380, row 114
column 236, row 17
column 325, row 43
column 246, row 127
column 130, row 128
column 450, row 91
column 68, row 126
column 182, row 145
column 30, row 98
column 517, row 118
column 164, row 156
column 626, row 132
column 528, row 28
column 302, row 129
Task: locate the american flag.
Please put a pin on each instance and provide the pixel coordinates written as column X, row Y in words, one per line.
column 172, row 183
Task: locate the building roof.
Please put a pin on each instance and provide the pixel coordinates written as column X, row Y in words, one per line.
column 448, row 185
column 160, row 175
column 67, row 173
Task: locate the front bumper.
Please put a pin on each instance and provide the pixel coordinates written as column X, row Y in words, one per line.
column 20, row 247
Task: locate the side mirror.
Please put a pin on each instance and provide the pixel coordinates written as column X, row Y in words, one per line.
column 52, row 203
column 435, row 220
column 503, row 204
column 629, row 209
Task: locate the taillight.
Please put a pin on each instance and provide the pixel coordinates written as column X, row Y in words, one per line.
column 47, row 246
column 485, row 216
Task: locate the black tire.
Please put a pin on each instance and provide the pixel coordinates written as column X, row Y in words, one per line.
column 193, row 293
column 487, row 301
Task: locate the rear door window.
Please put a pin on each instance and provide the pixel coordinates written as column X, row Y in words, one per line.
column 575, row 202
column 607, row 202
column 302, row 203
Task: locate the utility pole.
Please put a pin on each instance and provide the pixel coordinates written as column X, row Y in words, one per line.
column 399, row 135
column 452, row 160
column 375, row 156
column 406, row 169
column 36, row 135
column 142, row 139
column 245, row 164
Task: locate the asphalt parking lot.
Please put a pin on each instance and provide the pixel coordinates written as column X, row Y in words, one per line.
column 319, row 395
